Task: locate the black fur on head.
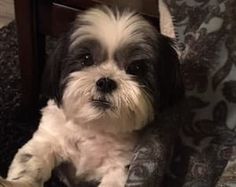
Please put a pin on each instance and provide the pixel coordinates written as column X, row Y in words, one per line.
column 169, row 78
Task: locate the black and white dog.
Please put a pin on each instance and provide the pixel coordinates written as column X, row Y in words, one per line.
column 106, row 79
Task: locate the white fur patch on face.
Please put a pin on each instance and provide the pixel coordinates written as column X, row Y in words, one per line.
column 131, row 107
column 111, row 30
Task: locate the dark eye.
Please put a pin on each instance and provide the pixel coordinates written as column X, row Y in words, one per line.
column 138, row 68
column 86, row 59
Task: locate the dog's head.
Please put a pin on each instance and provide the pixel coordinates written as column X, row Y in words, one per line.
column 114, row 68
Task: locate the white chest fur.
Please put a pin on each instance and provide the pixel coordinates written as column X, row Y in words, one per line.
column 94, row 154
column 91, row 152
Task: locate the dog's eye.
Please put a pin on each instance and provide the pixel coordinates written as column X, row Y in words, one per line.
column 86, row 59
column 137, row 67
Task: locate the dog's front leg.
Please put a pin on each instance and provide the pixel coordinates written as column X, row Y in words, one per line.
column 32, row 164
column 115, row 177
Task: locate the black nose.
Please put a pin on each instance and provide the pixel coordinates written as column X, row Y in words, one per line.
column 106, row 85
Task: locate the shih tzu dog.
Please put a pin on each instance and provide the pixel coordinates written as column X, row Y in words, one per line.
column 106, row 79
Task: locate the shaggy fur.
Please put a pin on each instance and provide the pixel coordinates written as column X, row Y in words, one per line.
column 105, row 80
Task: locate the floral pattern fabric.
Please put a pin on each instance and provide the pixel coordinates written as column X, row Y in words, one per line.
column 206, row 38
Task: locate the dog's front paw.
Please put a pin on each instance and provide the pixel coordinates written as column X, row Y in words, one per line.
column 6, row 183
column 112, row 184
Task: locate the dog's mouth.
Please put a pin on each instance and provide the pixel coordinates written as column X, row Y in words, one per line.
column 101, row 103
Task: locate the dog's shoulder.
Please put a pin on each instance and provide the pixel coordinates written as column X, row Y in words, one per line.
column 52, row 116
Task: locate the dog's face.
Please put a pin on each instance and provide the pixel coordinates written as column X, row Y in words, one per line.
column 111, row 68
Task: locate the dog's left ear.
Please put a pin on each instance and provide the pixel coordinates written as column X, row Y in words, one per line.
column 169, row 80
column 51, row 80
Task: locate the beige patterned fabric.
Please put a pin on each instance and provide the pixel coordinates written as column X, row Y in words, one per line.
column 206, row 32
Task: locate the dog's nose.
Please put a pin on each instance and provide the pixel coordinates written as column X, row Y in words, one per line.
column 106, row 85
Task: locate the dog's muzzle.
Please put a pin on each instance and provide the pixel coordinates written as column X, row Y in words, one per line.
column 104, row 86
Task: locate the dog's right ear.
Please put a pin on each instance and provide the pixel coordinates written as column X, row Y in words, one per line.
column 170, row 82
column 51, row 80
